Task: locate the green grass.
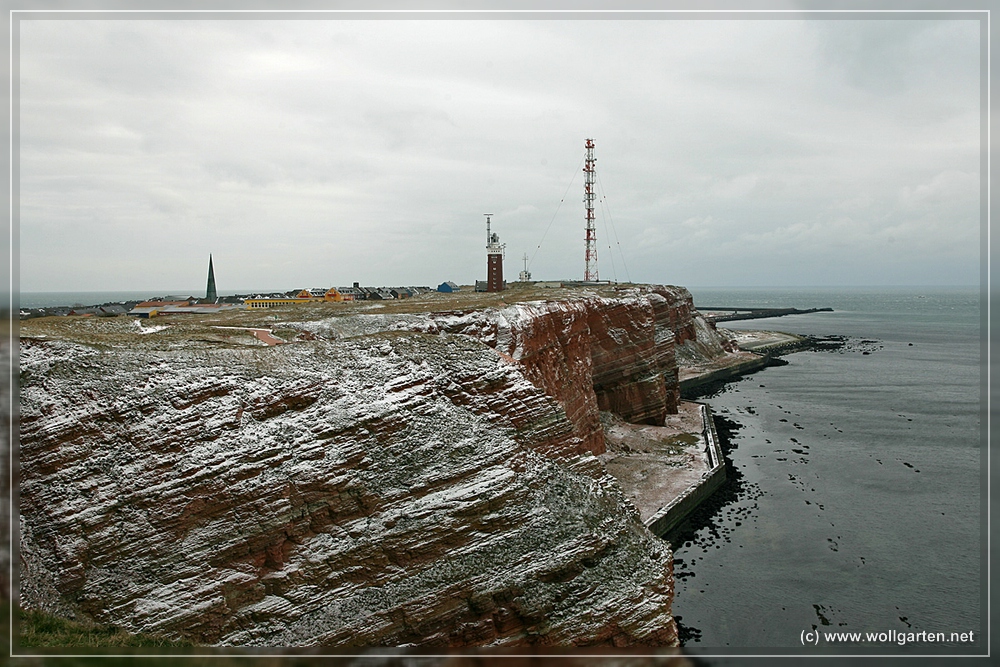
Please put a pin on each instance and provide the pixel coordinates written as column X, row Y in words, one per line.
column 41, row 630
column 684, row 440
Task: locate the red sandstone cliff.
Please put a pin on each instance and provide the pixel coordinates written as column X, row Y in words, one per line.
column 392, row 481
column 591, row 353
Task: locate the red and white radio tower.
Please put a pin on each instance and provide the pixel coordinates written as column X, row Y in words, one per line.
column 590, row 273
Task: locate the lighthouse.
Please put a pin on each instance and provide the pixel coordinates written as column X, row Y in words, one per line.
column 494, row 259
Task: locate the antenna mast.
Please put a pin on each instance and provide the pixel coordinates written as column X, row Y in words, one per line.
column 590, row 272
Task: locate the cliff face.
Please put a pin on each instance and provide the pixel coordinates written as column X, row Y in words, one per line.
column 424, row 479
column 633, row 343
column 395, row 488
column 595, row 354
column 590, row 353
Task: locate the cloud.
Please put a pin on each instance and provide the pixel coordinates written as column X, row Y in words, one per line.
column 316, row 152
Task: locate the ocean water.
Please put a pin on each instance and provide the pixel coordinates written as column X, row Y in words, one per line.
column 859, row 489
column 56, row 299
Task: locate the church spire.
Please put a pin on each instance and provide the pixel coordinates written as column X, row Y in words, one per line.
column 210, row 293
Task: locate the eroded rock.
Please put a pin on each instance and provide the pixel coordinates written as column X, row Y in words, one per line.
column 390, row 489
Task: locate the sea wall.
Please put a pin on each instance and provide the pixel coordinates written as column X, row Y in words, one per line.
column 694, row 386
column 672, row 514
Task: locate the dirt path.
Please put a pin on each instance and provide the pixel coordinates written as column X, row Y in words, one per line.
column 265, row 336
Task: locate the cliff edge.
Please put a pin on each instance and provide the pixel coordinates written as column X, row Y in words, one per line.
column 423, row 478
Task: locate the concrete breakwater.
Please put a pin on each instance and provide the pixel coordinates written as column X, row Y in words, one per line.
column 756, row 313
column 677, row 510
column 665, row 470
column 759, row 349
column 771, row 343
column 694, row 386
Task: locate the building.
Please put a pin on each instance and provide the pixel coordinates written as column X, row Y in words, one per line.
column 210, row 293
column 360, row 293
column 448, row 287
column 111, row 310
column 354, row 293
column 494, row 260
column 144, row 312
column 525, row 275
column 167, row 301
column 271, row 302
column 333, row 295
column 339, row 294
column 191, row 307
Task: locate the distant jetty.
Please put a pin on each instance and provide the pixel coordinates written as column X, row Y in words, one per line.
column 720, row 314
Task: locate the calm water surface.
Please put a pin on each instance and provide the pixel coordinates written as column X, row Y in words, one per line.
column 860, row 499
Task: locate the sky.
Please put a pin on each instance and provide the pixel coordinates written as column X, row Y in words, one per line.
column 314, row 153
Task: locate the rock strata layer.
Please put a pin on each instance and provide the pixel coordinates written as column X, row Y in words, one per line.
column 422, row 480
column 589, row 352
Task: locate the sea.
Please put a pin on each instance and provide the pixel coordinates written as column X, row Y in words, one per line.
column 856, row 500
column 76, row 299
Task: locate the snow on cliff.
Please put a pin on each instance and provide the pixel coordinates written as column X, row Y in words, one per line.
column 400, row 482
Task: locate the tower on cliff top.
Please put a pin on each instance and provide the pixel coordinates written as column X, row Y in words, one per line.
column 494, row 259
column 590, row 174
column 525, row 275
column 210, row 293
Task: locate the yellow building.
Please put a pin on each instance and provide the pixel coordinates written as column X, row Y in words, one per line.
column 304, row 296
column 334, row 294
column 271, row 303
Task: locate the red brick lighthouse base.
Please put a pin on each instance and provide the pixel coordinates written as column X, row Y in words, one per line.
column 494, row 272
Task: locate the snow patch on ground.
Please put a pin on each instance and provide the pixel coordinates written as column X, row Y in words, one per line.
column 149, row 329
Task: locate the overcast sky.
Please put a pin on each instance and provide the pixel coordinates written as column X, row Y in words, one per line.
column 323, row 152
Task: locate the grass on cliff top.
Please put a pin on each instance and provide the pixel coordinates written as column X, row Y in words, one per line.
column 213, row 329
column 41, row 630
column 48, row 640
